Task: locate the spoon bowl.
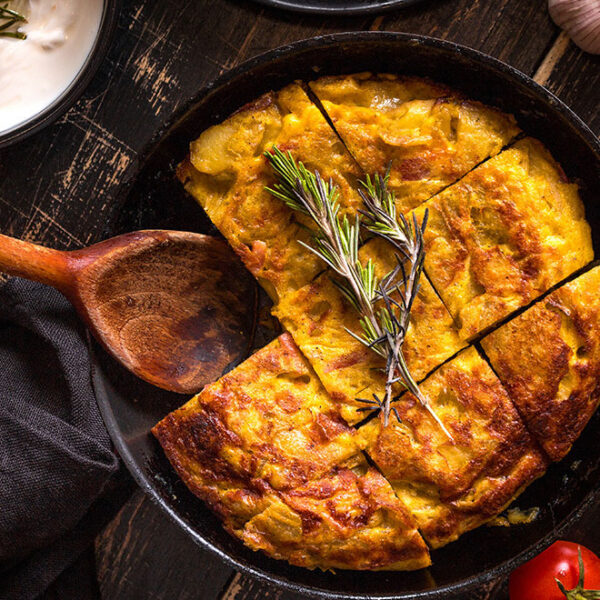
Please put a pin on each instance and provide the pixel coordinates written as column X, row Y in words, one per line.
column 175, row 308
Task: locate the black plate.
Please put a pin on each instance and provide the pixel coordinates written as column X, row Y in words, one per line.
column 338, row 7
column 154, row 199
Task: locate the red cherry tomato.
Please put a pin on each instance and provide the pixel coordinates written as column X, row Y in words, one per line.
column 535, row 580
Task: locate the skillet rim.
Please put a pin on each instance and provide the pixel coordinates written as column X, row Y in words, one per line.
column 314, row 8
column 477, row 58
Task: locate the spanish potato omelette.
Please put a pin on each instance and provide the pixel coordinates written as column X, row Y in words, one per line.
column 500, row 235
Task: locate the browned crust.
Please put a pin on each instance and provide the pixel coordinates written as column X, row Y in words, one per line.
column 182, row 171
column 259, row 104
column 263, row 485
column 549, row 360
column 489, row 497
column 347, row 521
column 233, row 427
column 452, row 487
column 485, row 427
column 503, row 235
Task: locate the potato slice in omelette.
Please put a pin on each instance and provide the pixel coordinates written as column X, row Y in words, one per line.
column 319, row 317
column 267, row 450
column 429, row 134
column 453, row 487
column 227, row 174
column 503, row 235
column 548, row 358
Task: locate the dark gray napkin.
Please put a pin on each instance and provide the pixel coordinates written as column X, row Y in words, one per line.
column 55, row 453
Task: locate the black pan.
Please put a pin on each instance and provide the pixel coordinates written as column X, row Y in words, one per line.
column 152, row 198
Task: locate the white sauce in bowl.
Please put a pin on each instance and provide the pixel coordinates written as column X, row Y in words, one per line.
column 35, row 72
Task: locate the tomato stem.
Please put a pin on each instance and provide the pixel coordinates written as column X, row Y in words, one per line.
column 579, row 593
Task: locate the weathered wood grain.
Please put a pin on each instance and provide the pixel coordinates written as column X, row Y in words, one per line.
column 163, row 53
column 574, row 77
column 516, row 32
column 548, row 64
column 142, row 556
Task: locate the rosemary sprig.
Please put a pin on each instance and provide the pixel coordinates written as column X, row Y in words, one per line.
column 336, row 241
column 383, row 318
column 9, row 18
column 381, row 218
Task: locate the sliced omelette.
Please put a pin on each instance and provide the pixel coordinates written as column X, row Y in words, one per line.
column 267, row 450
column 503, row 235
column 268, row 421
column 548, row 358
column 452, row 487
column 227, row 173
column 430, row 135
column 270, row 447
column 319, row 317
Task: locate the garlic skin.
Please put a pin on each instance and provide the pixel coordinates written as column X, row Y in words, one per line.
column 580, row 19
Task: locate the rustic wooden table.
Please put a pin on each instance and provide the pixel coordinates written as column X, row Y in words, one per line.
column 56, row 188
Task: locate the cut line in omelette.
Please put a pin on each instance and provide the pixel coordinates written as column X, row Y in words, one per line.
column 451, row 487
column 429, row 134
column 227, row 173
column 503, row 235
column 548, row 358
column 319, row 317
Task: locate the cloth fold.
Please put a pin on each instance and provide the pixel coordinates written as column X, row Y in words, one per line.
column 56, row 456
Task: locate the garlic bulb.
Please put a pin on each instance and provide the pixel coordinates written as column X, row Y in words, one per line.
column 580, row 19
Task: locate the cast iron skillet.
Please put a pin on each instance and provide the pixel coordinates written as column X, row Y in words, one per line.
column 338, row 7
column 152, row 198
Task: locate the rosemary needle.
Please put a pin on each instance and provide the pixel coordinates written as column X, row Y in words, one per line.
column 8, row 19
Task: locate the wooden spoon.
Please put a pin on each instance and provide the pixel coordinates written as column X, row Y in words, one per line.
column 174, row 308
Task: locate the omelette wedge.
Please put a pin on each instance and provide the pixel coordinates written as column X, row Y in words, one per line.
column 350, row 519
column 430, row 135
column 266, row 449
column 503, row 235
column 452, row 487
column 319, row 317
column 548, row 358
column 227, row 174
column 268, row 420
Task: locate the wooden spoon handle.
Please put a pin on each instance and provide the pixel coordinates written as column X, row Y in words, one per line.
column 31, row 261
